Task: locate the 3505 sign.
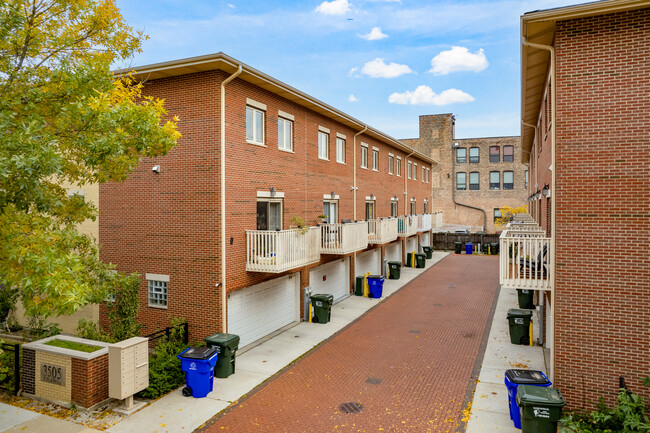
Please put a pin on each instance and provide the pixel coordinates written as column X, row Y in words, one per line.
column 53, row 374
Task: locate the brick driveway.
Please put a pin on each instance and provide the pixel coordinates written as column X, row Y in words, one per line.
column 410, row 362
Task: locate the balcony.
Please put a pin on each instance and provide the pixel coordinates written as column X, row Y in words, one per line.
column 343, row 238
column 407, row 225
column 382, row 231
column 280, row 251
column 525, row 259
column 424, row 222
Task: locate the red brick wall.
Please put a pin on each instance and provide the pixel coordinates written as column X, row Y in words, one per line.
column 168, row 223
column 90, row 381
column 603, row 200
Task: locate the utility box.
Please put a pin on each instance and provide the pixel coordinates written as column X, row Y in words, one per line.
column 128, row 369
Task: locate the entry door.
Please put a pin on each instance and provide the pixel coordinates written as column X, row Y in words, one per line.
column 330, row 210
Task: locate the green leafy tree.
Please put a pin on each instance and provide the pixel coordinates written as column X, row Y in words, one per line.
column 65, row 118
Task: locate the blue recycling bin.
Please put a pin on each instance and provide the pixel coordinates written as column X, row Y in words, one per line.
column 198, row 364
column 375, row 286
column 516, row 377
column 468, row 248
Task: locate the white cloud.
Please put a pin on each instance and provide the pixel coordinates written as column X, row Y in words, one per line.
column 424, row 95
column 378, row 69
column 458, row 59
column 335, row 7
column 231, row 6
column 352, row 98
column 374, row 35
column 353, row 72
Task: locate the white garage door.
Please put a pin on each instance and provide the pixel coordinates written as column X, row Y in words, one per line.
column 425, row 239
column 257, row 311
column 394, row 252
column 412, row 244
column 332, row 279
column 369, row 261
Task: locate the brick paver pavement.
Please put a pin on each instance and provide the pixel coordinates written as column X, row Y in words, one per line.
column 409, row 361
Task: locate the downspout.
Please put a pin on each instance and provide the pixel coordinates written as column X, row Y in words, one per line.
column 224, row 320
column 354, row 173
column 551, row 51
column 453, row 190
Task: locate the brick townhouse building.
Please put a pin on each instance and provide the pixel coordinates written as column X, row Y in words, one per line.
column 215, row 228
column 473, row 177
column 586, row 134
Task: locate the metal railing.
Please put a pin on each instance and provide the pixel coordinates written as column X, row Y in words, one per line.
column 183, row 328
column 424, row 222
column 525, row 260
column 279, row 251
column 12, row 380
column 343, row 238
column 407, row 225
column 381, row 231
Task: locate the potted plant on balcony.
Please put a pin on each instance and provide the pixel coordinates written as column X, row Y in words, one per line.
column 322, row 218
column 300, row 224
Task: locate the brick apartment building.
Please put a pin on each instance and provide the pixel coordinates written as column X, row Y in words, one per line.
column 585, row 132
column 210, row 226
column 473, row 177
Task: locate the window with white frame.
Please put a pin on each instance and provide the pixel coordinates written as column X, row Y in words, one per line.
column 415, row 172
column 428, row 174
column 424, row 174
column 375, row 159
column 269, row 214
column 526, row 179
column 331, row 211
column 409, row 169
column 340, row 150
column 285, row 134
column 254, row 125
column 413, row 207
column 364, row 155
column 157, row 290
column 398, row 166
column 391, row 161
column 323, row 145
column 370, row 210
column 393, row 208
column 426, row 205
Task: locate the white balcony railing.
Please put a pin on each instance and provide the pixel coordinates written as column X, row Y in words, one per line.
column 424, row 222
column 382, row 231
column 523, row 217
column 525, row 260
column 524, row 227
column 407, row 225
column 343, row 238
column 279, row 251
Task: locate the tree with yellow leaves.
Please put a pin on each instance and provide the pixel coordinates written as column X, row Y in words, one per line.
column 507, row 213
column 64, row 117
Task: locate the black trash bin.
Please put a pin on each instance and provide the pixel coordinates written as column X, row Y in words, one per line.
column 428, row 251
column 228, row 345
column 395, row 270
column 458, row 246
column 519, row 323
column 485, row 247
column 494, row 248
column 541, row 408
column 515, row 377
column 420, row 260
column 322, row 307
column 358, row 288
column 525, row 298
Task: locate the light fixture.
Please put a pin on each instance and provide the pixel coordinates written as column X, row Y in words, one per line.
column 332, row 194
column 546, row 191
column 272, row 191
column 156, row 169
column 538, row 195
column 372, row 197
column 395, row 198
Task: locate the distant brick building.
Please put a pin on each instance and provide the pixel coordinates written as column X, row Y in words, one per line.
column 586, row 114
column 474, row 177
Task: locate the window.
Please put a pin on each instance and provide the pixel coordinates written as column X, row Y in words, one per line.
column 409, row 169
column 508, row 180
column 370, row 210
column 461, row 155
column 269, row 215
column 413, row 207
column 340, row 150
column 415, row 172
column 461, row 181
column 497, row 214
column 424, row 174
column 254, row 125
column 285, row 134
column 474, row 155
column 323, row 145
column 398, row 166
column 495, row 180
column 330, row 210
column 526, row 180
column 391, row 161
column 157, row 290
column 426, row 206
column 393, row 208
column 508, row 153
column 375, row 159
column 428, row 174
column 474, row 181
column 495, row 154
column 364, row 156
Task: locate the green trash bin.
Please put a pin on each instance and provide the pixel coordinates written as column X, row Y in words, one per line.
column 540, row 408
column 458, row 246
column 322, row 307
column 525, row 298
column 395, row 270
column 485, row 248
column 428, row 251
column 358, row 288
column 228, row 345
column 420, row 260
column 519, row 323
column 409, row 257
column 494, row 248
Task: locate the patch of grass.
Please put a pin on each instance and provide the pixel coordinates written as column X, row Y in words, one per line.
column 73, row 345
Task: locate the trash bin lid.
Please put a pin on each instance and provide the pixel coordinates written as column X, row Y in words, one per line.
column 224, row 340
column 375, row 277
column 420, row 255
column 530, row 377
column 516, row 312
column 395, row 263
column 538, row 395
column 322, row 297
column 199, row 352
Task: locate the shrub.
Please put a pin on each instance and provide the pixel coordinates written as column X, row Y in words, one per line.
column 92, row 331
column 630, row 415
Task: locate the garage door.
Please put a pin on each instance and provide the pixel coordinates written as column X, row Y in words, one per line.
column 412, row 244
column 425, row 239
column 332, row 278
column 394, row 252
column 257, row 311
column 369, row 261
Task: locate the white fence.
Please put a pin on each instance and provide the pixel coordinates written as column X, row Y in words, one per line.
column 525, row 260
column 407, row 225
column 279, row 251
column 424, row 222
column 381, row 231
column 343, row 238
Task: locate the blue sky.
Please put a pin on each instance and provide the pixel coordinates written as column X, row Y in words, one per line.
column 385, row 62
